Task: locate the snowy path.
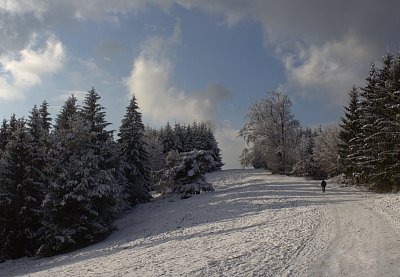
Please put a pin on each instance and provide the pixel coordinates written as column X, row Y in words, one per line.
column 363, row 243
column 254, row 224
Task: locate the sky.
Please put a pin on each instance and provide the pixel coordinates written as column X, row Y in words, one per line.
column 189, row 60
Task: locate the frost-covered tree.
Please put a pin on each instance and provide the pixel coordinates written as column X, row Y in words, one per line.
column 254, row 156
column 167, row 138
column 378, row 138
column 68, row 110
column 95, row 116
column 305, row 165
column 271, row 124
column 325, row 152
column 393, row 130
column 350, row 129
column 81, row 202
column 154, row 148
column 45, row 116
column 211, row 144
column 21, row 195
column 132, row 144
column 4, row 135
column 185, row 172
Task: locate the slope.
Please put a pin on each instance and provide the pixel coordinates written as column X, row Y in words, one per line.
column 253, row 224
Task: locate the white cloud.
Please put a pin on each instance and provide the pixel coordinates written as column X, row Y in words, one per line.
column 158, row 98
column 327, row 71
column 325, row 48
column 319, row 28
column 20, row 73
column 161, row 101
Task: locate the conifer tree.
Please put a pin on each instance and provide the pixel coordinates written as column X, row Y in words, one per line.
column 380, row 140
column 45, row 116
column 131, row 140
column 21, row 195
column 154, row 149
column 12, row 124
column 83, row 192
column 350, row 128
column 95, row 116
column 393, row 108
column 364, row 153
column 81, row 202
column 68, row 110
column 4, row 135
column 167, row 138
column 305, row 165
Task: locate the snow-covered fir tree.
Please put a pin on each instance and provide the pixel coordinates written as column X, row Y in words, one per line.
column 185, row 172
column 45, row 116
column 375, row 149
column 4, row 136
column 84, row 187
column 350, row 128
column 154, row 148
column 81, row 202
column 378, row 140
column 133, row 148
column 94, row 114
column 21, row 194
column 68, row 110
column 167, row 138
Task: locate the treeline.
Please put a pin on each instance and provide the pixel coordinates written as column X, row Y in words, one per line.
column 179, row 149
column 369, row 150
column 364, row 147
column 63, row 185
column 276, row 141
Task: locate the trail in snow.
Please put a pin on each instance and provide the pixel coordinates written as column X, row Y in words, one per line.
column 253, row 224
column 363, row 242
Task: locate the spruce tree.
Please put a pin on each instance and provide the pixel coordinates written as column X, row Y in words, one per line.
column 4, row 135
column 81, row 202
column 167, row 138
column 154, row 149
column 83, row 192
column 381, row 138
column 68, row 110
column 45, row 116
column 365, row 151
column 393, row 108
column 95, row 116
column 350, row 128
column 131, row 140
column 21, row 195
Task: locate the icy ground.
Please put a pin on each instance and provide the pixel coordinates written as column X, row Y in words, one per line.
column 254, row 224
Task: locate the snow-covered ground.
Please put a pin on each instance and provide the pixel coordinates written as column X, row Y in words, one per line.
column 254, row 224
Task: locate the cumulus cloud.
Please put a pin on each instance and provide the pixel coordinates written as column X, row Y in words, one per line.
column 325, row 47
column 29, row 67
column 161, row 101
column 315, row 40
column 327, row 71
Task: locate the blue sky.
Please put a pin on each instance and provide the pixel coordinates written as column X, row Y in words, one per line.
column 191, row 60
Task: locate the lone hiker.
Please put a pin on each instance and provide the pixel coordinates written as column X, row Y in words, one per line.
column 323, row 185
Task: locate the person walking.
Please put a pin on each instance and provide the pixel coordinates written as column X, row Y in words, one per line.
column 323, row 185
